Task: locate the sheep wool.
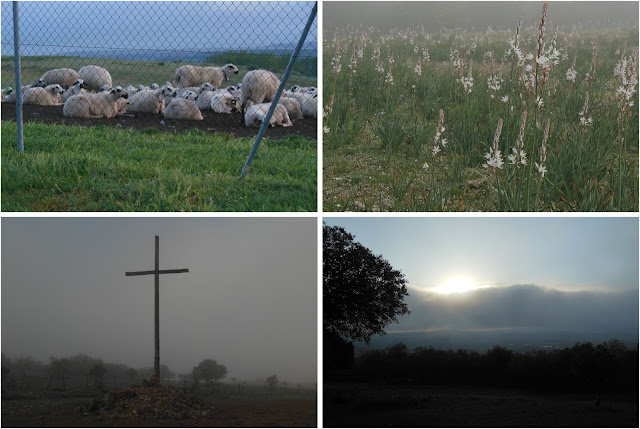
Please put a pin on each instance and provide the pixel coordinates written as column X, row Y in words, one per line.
column 258, row 86
column 194, row 76
column 98, row 105
column 95, row 77
column 64, row 77
column 51, row 95
column 183, row 109
column 257, row 113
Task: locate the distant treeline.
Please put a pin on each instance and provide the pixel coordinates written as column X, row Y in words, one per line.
column 583, row 367
column 306, row 66
column 71, row 372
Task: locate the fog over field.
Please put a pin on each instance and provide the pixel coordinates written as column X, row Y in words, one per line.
column 550, row 279
column 475, row 15
column 249, row 300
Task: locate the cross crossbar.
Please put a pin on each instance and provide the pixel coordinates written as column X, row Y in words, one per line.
column 143, row 273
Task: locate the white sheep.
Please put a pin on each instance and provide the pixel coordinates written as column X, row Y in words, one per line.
column 64, row 77
column 154, row 86
column 257, row 113
column 293, row 107
column 308, row 103
column 149, row 100
column 11, row 97
column 51, row 95
column 188, row 95
column 204, row 99
column 193, row 75
column 98, row 105
column 258, row 86
column 131, row 90
column 95, row 77
column 183, row 109
column 77, row 88
column 223, row 102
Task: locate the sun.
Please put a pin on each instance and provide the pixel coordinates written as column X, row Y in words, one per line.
column 456, row 285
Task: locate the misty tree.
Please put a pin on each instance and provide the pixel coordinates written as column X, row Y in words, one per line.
column 132, row 374
column 58, row 368
column 272, row 382
column 362, row 293
column 210, row 371
column 97, row 372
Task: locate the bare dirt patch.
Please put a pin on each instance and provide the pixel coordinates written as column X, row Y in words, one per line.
column 213, row 122
column 241, row 412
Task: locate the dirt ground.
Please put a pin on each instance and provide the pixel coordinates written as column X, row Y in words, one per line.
column 59, row 412
column 213, row 122
column 381, row 405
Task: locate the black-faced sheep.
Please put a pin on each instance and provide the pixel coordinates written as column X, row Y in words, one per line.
column 51, row 95
column 258, row 86
column 194, row 76
column 64, row 77
column 181, row 108
column 95, row 77
column 11, row 97
column 257, row 113
column 98, row 105
column 77, row 88
column 223, row 102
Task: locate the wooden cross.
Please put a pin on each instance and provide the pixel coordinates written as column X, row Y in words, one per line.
column 156, row 273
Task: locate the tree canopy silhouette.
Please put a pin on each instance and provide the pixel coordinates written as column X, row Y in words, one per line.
column 362, row 292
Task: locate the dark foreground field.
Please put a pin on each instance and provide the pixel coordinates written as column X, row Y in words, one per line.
column 58, row 410
column 359, row 404
column 212, row 122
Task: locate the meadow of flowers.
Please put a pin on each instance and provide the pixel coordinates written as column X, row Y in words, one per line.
column 529, row 119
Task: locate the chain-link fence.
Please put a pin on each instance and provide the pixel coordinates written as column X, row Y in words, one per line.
column 147, row 62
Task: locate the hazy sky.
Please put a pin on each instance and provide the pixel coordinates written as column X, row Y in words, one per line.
column 249, row 300
column 185, row 25
column 477, row 14
column 542, row 273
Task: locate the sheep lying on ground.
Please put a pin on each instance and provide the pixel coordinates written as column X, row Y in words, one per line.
column 77, row 88
column 101, row 104
column 258, row 86
column 304, row 89
column 51, row 95
column 293, row 107
column 188, row 95
column 308, row 103
column 131, row 90
column 149, row 100
column 94, row 77
column 181, row 108
column 11, row 97
column 194, row 76
column 224, row 102
column 64, row 77
column 256, row 114
column 205, row 97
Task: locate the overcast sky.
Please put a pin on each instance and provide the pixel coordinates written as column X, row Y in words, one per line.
column 538, row 273
column 476, row 15
column 249, row 300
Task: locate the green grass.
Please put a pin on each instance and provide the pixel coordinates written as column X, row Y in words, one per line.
column 381, row 134
column 72, row 168
column 123, row 72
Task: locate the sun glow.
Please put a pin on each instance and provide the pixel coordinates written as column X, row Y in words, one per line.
column 456, row 285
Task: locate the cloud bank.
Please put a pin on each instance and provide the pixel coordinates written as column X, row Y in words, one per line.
column 522, row 306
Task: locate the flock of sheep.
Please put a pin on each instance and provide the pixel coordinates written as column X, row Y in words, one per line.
column 88, row 93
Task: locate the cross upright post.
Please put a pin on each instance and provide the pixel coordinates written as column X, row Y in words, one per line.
column 156, row 272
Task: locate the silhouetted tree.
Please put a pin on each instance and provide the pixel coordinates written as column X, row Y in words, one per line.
column 272, row 382
column 362, row 293
column 210, row 371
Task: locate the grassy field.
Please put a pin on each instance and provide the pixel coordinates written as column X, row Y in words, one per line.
column 129, row 170
column 461, row 121
column 123, row 72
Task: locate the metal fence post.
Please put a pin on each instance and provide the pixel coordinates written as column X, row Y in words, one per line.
column 283, row 82
column 16, row 53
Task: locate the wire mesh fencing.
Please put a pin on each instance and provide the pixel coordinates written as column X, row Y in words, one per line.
column 146, row 62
